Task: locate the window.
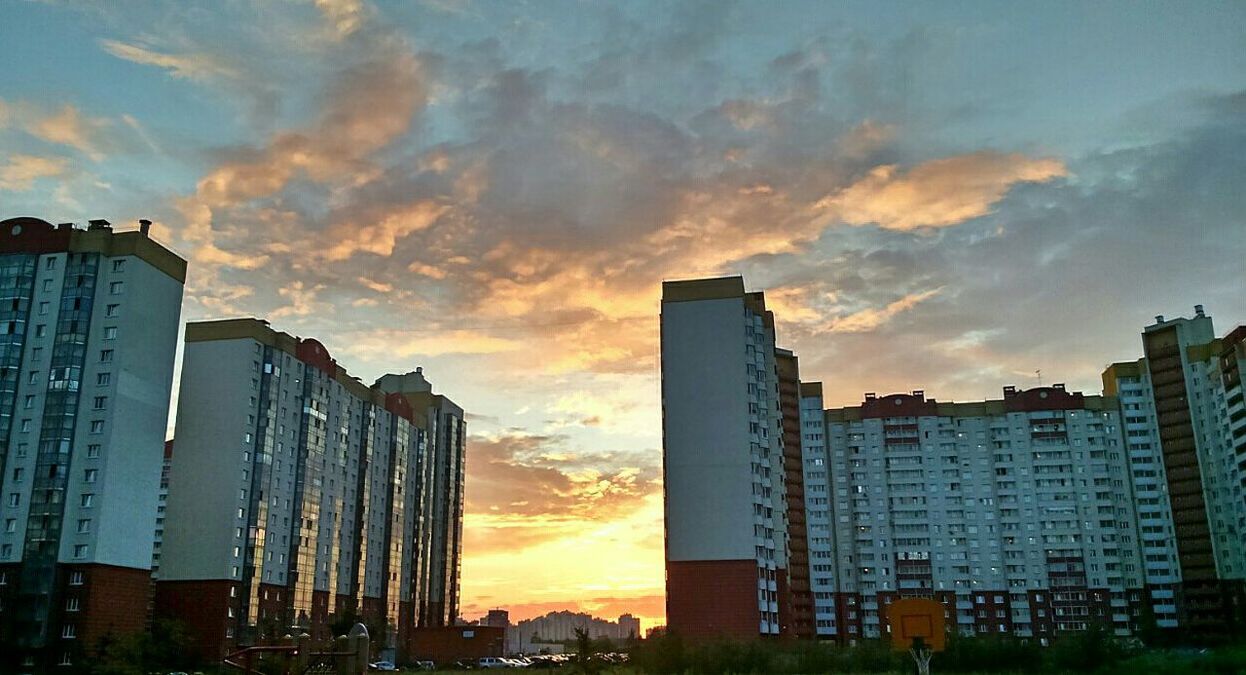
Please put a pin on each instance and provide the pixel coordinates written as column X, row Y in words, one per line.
column 84, row 525
column 100, row 403
column 90, row 475
column 47, row 284
column 110, row 332
column 41, row 330
column 36, row 353
column 68, row 631
column 10, row 525
column 15, row 499
column 80, row 551
column 118, row 265
column 6, row 551
column 111, row 310
column 18, row 475
column 88, row 500
column 43, row 307
column 30, row 401
column 97, row 426
column 116, row 287
column 103, row 379
column 21, row 449
column 26, row 424
column 93, row 450
column 105, row 355
column 76, row 578
column 71, row 605
column 49, row 263
column 34, row 377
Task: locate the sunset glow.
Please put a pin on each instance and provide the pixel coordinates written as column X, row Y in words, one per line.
column 494, row 191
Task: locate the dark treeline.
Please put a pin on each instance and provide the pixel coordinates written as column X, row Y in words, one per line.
column 1094, row 651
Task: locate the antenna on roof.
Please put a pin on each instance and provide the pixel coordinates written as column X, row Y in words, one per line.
column 1038, row 374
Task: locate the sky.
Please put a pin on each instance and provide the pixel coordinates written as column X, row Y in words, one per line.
column 939, row 196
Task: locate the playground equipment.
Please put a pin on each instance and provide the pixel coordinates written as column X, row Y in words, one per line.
column 917, row 625
column 348, row 655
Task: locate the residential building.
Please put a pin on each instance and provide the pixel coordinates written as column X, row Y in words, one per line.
column 629, row 627
column 88, row 330
column 725, row 484
column 531, row 636
column 498, row 618
column 441, row 467
column 1186, row 432
column 162, row 499
column 297, row 495
column 1016, row 513
column 1034, row 514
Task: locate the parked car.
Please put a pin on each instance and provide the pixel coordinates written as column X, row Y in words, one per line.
column 424, row 665
column 490, row 662
column 384, row 666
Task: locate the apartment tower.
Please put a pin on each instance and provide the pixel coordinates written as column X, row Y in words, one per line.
column 1186, row 426
column 298, row 496
column 88, row 330
column 725, row 484
column 442, row 468
column 1016, row 512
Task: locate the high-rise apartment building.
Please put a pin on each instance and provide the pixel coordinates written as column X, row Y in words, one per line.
column 725, row 485
column 1016, row 513
column 298, row 497
column 442, row 470
column 1186, row 433
column 1035, row 514
column 162, row 500
column 88, row 330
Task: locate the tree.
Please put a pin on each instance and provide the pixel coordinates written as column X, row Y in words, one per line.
column 585, row 651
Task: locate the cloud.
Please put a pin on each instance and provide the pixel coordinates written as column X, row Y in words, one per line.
column 937, row 193
column 343, row 16
column 348, row 238
column 302, row 300
column 21, row 171
column 379, row 344
column 69, row 127
column 871, row 318
column 532, row 475
column 201, row 67
column 66, row 126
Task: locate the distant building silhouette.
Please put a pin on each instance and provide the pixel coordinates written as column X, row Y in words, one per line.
column 561, row 627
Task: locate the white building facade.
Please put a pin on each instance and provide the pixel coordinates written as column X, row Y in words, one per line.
column 1016, row 513
column 298, row 496
column 88, row 330
column 725, row 510
column 1186, row 428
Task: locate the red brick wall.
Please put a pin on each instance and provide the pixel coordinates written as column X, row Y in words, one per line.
column 450, row 643
column 111, row 601
column 204, row 607
column 712, row 598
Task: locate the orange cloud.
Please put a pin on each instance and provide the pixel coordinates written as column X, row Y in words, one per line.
column 22, row 171
column 871, row 318
column 69, row 127
column 938, row 193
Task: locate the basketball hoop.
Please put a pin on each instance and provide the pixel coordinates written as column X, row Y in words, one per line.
column 917, row 625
